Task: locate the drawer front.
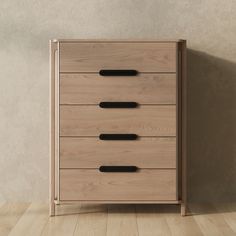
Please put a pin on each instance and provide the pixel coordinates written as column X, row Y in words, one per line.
column 93, row 120
column 90, row 184
column 92, row 57
column 92, row 152
column 92, row 88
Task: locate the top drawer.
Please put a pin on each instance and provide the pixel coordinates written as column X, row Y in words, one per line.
column 94, row 56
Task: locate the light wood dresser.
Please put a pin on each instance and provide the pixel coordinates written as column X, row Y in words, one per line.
column 118, row 122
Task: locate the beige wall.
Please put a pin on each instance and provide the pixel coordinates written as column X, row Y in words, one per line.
column 27, row 25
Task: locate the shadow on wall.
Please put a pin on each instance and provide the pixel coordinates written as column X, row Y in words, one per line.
column 211, row 128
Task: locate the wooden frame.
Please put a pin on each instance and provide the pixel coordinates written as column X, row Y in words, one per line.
column 53, row 135
column 118, row 202
column 181, row 121
column 183, row 126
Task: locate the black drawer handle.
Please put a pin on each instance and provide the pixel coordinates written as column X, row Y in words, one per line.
column 118, row 136
column 118, row 104
column 118, row 168
column 118, row 72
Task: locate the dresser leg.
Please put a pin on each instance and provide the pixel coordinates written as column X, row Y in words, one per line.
column 183, row 209
column 52, row 209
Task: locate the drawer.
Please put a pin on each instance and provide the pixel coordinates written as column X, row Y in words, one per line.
column 92, row 88
column 146, row 120
column 94, row 56
column 90, row 184
column 93, row 153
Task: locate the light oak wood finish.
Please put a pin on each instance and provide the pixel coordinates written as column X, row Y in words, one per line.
column 10, row 213
column 182, row 124
column 212, row 223
column 53, row 133
column 228, row 211
column 79, row 152
column 120, row 219
column 90, row 184
column 179, row 226
column 93, row 120
column 64, row 224
column 1, row 204
column 92, row 220
column 32, row 222
column 93, row 89
column 92, row 57
column 130, row 40
column 77, row 120
column 127, row 202
column 52, row 129
column 150, row 222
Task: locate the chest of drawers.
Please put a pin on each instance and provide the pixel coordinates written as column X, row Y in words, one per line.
column 118, row 122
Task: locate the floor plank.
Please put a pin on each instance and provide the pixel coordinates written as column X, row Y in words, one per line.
column 121, row 220
column 210, row 221
column 64, row 223
column 32, row 222
column 92, row 220
column 228, row 210
column 150, row 222
column 10, row 213
column 178, row 225
column 117, row 220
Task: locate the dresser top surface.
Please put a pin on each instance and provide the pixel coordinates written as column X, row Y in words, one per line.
column 118, row 40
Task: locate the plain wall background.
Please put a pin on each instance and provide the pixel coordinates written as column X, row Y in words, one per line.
column 25, row 29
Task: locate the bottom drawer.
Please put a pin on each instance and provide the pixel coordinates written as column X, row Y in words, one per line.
column 145, row 184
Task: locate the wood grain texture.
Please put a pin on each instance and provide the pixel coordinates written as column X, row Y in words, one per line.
column 228, row 211
column 122, row 221
column 10, row 213
column 212, row 223
column 93, row 89
column 117, row 219
column 92, row 220
column 179, row 226
column 91, row 152
column 53, row 47
column 92, row 57
column 32, row 222
column 119, row 40
column 64, row 223
column 93, row 120
column 57, row 124
column 126, row 202
column 183, row 127
column 90, row 184
column 155, row 121
column 150, row 222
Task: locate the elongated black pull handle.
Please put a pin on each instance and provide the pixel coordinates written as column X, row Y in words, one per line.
column 118, row 136
column 118, row 72
column 118, row 168
column 118, row 104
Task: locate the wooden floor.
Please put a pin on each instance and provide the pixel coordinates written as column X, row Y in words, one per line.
column 121, row 220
